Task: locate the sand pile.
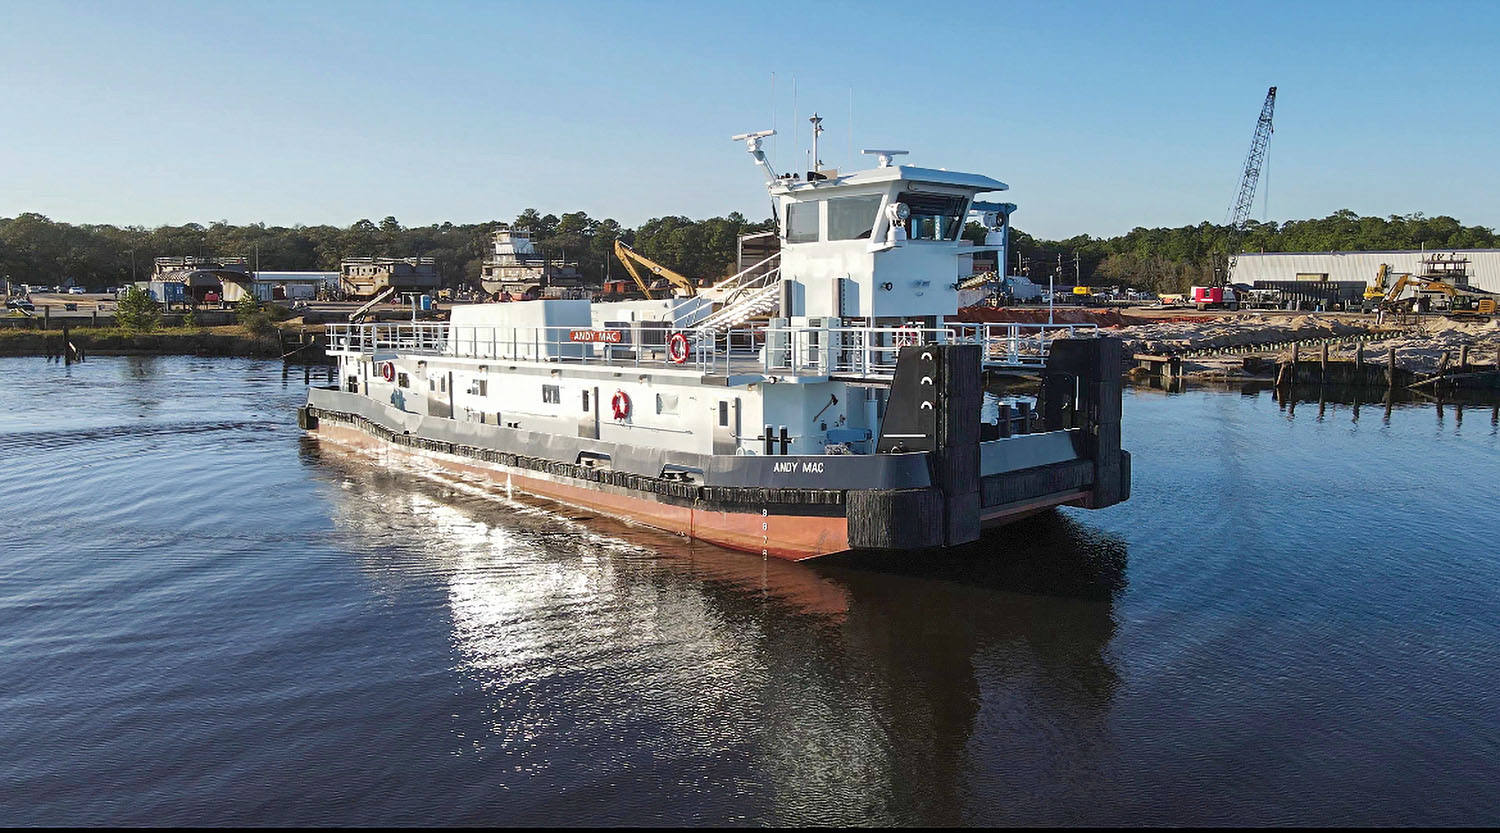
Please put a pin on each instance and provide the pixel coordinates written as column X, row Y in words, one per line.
column 1234, row 331
column 1060, row 315
column 1422, row 351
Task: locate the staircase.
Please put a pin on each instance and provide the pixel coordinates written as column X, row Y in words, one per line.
column 748, row 303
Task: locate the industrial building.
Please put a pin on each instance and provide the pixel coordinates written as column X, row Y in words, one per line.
column 368, row 277
column 293, row 286
column 199, row 279
column 1477, row 268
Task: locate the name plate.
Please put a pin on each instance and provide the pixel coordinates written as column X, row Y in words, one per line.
column 597, row 336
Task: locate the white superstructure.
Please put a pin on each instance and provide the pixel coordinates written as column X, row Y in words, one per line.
column 870, row 262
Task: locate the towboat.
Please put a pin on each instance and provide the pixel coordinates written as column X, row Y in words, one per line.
column 819, row 400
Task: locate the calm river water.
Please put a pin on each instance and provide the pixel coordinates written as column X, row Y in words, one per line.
column 206, row 616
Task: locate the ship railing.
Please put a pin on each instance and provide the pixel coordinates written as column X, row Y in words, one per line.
column 868, row 352
column 871, row 352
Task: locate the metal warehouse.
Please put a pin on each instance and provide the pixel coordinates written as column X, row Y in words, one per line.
column 1481, row 267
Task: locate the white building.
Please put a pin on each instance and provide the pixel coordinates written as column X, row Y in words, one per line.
column 1482, row 269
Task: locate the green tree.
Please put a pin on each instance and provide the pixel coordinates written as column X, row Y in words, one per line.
column 247, row 308
column 137, row 312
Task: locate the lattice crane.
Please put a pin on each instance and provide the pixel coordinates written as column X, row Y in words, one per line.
column 1239, row 213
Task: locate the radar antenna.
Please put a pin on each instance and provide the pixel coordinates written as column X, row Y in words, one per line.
column 883, row 157
column 753, row 146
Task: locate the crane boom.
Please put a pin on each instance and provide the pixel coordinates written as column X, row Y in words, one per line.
column 1239, row 213
column 633, row 260
column 1253, row 161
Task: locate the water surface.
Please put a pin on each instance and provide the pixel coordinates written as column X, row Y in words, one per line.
column 206, row 616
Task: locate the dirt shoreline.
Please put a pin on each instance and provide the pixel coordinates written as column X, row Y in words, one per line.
column 226, row 342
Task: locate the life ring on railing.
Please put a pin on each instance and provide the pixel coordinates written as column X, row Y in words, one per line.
column 677, row 348
column 621, row 404
column 388, row 371
column 908, row 336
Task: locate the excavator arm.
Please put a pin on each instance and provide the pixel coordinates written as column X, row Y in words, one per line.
column 633, row 260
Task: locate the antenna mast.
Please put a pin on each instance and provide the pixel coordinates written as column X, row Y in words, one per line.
column 817, row 123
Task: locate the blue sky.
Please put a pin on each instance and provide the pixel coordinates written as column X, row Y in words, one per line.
column 1101, row 116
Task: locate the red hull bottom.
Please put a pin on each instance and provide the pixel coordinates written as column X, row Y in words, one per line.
column 793, row 537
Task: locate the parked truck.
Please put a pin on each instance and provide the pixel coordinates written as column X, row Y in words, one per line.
column 1215, row 297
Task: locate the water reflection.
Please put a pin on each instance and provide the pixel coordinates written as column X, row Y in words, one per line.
column 1329, row 399
column 886, row 688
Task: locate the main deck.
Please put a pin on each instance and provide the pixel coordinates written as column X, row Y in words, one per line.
column 784, row 352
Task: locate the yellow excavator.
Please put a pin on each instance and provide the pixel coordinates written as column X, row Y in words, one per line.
column 634, row 261
column 1463, row 302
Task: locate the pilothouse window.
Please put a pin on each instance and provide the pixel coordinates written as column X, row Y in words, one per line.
column 852, row 218
column 934, row 216
column 802, row 222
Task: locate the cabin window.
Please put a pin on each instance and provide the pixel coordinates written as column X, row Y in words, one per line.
column 852, row 218
column 585, row 400
column 666, row 403
column 934, row 216
column 403, row 380
column 479, row 387
column 802, row 222
column 551, row 395
column 723, row 413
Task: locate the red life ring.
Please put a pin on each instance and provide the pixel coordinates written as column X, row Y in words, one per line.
column 621, row 404
column 677, row 348
column 388, row 371
column 908, row 336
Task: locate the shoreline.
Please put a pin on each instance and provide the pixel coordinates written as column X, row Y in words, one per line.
column 217, row 342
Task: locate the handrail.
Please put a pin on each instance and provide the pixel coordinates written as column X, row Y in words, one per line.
column 730, row 309
column 733, row 279
column 858, row 351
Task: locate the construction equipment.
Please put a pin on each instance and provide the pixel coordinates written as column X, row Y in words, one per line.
column 1462, row 302
column 1378, row 287
column 1239, row 213
column 633, row 260
column 1215, row 297
column 380, row 298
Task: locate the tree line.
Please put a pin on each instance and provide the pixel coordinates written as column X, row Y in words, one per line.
column 1172, row 259
column 36, row 250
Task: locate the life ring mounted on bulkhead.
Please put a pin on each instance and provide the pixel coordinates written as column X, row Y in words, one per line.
column 621, row 404
column 677, row 348
column 907, row 336
column 388, row 371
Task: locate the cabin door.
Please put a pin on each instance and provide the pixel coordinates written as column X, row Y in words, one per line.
column 727, row 426
column 588, row 417
column 440, row 395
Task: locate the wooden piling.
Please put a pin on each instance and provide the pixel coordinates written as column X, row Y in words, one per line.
column 1359, row 363
column 1390, row 368
column 1463, row 359
column 1323, row 364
